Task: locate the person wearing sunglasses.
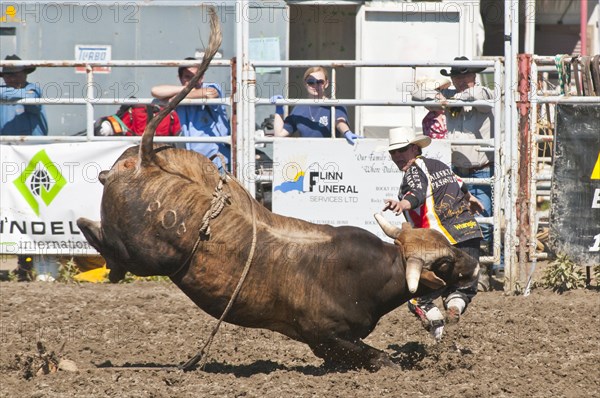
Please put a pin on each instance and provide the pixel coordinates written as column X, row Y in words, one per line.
column 313, row 120
column 432, row 196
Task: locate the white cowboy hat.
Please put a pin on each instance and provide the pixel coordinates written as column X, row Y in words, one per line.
column 401, row 137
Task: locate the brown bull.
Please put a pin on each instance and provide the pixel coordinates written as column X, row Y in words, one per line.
column 167, row 211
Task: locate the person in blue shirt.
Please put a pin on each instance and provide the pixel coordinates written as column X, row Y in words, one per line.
column 20, row 119
column 200, row 120
column 313, row 120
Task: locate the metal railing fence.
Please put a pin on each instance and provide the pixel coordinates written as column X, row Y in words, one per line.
column 245, row 139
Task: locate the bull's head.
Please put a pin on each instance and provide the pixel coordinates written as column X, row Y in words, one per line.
column 430, row 258
column 112, row 238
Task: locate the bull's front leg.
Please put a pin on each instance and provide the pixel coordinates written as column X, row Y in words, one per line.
column 337, row 352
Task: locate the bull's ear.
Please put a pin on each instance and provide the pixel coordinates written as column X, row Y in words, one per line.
column 92, row 231
column 431, row 280
column 102, row 176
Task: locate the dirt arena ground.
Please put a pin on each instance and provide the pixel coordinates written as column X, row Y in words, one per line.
column 126, row 340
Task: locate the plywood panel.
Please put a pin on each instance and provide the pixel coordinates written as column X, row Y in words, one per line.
column 402, row 36
column 325, row 32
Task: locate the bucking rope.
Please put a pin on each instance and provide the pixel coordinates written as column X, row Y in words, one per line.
column 564, row 73
column 218, row 203
column 216, row 206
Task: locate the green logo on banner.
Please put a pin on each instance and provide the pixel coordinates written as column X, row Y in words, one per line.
column 40, row 179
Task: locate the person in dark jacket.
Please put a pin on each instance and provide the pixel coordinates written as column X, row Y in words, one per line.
column 432, row 196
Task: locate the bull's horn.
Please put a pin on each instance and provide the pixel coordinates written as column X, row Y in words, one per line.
column 413, row 273
column 389, row 229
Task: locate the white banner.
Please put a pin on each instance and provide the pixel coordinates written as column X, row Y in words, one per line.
column 330, row 182
column 45, row 189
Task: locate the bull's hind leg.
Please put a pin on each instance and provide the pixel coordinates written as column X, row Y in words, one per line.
column 350, row 354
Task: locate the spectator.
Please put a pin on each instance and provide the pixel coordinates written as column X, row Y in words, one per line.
column 470, row 122
column 434, row 122
column 313, row 120
column 200, row 120
column 19, row 119
column 432, row 196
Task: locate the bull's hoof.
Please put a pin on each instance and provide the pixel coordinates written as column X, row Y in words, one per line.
column 116, row 274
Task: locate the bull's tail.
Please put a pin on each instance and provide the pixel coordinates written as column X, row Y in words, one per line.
column 147, row 155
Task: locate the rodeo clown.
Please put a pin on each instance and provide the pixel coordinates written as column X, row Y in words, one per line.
column 432, row 196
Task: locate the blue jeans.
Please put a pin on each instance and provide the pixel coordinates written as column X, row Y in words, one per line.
column 484, row 194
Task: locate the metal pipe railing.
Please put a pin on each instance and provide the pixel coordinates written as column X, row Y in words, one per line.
column 115, row 63
column 508, row 169
column 382, row 63
column 115, row 101
column 367, row 102
column 559, row 99
column 482, row 142
column 84, row 138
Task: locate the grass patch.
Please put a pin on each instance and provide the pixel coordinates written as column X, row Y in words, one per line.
column 563, row 274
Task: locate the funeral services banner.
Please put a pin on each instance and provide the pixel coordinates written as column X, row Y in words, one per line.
column 328, row 181
column 45, row 189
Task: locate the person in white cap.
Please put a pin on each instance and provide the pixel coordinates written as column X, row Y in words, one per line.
column 19, row 119
column 432, row 196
